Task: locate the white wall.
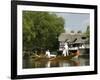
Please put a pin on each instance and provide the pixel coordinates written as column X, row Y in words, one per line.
column 5, row 29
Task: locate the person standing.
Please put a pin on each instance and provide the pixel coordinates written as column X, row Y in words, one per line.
column 48, row 53
column 65, row 50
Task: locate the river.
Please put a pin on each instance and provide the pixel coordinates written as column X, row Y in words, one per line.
column 31, row 63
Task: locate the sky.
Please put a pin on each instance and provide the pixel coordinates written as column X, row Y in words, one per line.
column 75, row 21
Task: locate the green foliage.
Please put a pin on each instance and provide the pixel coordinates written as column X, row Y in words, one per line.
column 41, row 30
column 88, row 32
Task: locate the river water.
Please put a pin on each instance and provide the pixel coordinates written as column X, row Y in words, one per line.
column 31, row 63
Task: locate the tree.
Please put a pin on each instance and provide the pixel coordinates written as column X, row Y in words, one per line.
column 41, row 30
column 87, row 33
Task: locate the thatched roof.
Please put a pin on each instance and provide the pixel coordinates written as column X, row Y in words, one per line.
column 72, row 37
column 81, row 40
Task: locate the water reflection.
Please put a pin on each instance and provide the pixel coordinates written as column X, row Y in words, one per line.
column 31, row 63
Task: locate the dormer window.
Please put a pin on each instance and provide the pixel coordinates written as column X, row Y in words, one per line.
column 83, row 37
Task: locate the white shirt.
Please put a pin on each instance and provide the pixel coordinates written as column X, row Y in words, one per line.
column 48, row 53
column 66, row 46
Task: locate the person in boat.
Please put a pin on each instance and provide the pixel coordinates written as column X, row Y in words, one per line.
column 65, row 50
column 48, row 53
